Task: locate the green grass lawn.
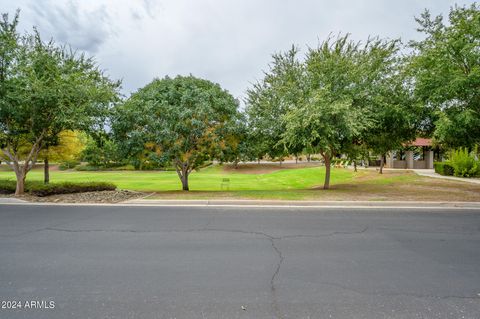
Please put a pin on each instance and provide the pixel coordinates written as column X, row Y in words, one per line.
column 207, row 179
column 271, row 182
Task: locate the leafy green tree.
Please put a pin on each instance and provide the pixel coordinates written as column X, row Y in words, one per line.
column 396, row 116
column 45, row 89
column 356, row 152
column 270, row 99
column 342, row 78
column 238, row 143
column 101, row 151
column 324, row 122
column 447, row 74
column 186, row 118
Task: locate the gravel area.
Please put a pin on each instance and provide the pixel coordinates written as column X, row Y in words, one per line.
column 87, row 197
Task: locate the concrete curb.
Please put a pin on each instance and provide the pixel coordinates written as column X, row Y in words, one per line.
column 266, row 204
column 285, row 203
column 10, row 200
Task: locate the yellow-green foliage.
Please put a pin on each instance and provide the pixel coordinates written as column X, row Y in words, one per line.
column 71, row 144
column 464, row 163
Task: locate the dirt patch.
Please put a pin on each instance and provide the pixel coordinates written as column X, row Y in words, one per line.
column 366, row 185
column 54, row 168
column 370, row 175
column 417, row 189
column 265, row 168
column 87, row 197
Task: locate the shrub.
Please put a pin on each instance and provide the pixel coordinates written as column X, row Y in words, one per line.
column 39, row 189
column 68, row 165
column 464, row 163
column 444, row 168
column 7, row 186
column 88, row 168
column 128, row 167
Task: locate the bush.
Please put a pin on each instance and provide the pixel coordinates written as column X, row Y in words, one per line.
column 444, row 168
column 39, row 189
column 68, row 165
column 150, row 166
column 91, row 168
column 87, row 168
column 7, row 186
column 128, row 167
column 464, row 163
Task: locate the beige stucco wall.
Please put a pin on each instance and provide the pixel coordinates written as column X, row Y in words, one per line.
column 418, row 164
column 399, row 164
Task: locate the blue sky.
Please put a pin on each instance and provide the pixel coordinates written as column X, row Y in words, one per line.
column 229, row 42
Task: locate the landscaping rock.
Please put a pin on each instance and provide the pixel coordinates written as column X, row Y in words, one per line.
column 88, row 197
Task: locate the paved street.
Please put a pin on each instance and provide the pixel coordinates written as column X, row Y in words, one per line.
column 206, row 262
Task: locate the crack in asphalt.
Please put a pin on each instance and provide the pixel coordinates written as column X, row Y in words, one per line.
column 206, row 229
column 36, row 230
column 209, row 222
column 280, row 257
column 325, row 235
column 273, row 289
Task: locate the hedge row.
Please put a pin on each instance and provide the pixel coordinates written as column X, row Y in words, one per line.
column 37, row 188
column 444, row 168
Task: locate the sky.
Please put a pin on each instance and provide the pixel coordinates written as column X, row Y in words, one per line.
column 228, row 42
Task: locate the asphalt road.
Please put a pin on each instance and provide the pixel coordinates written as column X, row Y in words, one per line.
column 204, row 262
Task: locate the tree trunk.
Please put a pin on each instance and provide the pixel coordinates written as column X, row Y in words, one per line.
column 183, row 170
column 20, row 190
column 236, row 163
column 46, row 171
column 30, row 160
column 354, row 166
column 326, row 185
column 296, row 159
column 185, row 177
column 382, row 162
column 308, row 158
column 185, row 182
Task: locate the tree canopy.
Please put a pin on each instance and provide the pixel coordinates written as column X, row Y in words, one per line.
column 184, row 118
column 446, row 67
column 342, row 94
column 45, row 89
column 270, row 98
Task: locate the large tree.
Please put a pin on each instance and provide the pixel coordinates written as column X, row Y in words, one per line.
column 342, row 80
column 270, row 99
column 185, row 118
column 447, row 74
column 44, row 90
column 101, row 151
column 238, row 144
column 396, row 115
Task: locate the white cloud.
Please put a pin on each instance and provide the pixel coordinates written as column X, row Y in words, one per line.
column 228, row 42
